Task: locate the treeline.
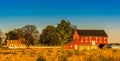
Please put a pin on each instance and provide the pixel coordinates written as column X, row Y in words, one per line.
column 51, row 35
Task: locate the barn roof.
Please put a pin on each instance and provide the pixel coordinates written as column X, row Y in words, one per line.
column 91, row 33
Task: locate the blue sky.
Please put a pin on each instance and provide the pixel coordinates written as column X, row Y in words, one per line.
column 85, row 14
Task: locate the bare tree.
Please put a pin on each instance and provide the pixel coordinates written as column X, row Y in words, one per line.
column 31, row 34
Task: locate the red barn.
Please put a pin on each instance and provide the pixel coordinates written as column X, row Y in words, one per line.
column 87, row 39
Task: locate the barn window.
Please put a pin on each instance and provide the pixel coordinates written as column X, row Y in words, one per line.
column 71, row 46
column 86, row 41
column 86, row 38
column 10, row 45
column 90, row 40
column 81, row 40
column 90, row 37
column 81, row 37
column 104, row 41
column 96, row 41
column 104, row 38
column 96, row 38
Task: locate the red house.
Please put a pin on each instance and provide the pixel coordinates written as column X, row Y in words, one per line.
column 87, row 39
column 15, row 43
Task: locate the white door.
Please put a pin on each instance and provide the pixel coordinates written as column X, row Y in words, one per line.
column 93, row 42
column 76, row 46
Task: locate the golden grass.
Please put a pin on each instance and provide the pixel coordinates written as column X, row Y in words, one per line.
column 58, row 55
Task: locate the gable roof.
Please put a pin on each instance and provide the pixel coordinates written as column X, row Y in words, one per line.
column 91, row 33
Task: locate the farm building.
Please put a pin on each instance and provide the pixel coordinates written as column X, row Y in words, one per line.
column 87, row 39
column 114, row 45
column 15, row 43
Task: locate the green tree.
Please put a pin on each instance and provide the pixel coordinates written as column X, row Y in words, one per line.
column 64, row 32
column 28, row 32
column 48, row 36
column 11, row 35
column 19, row 32
column 29, row 39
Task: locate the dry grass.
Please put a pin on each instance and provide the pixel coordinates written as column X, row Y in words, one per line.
column 39, row 54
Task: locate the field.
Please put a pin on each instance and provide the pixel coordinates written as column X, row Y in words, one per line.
column 42, row 54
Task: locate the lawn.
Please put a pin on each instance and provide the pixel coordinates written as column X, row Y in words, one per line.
column 54, row 54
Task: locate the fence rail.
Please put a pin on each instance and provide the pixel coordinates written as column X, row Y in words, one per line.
column 39, row 47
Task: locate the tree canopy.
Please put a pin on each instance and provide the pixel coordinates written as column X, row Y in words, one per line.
column 51, row 35
column 64, row 32
column 28, row 32
column 11, row 35
column 31, row 34
column 48, row 36
column 57, row 35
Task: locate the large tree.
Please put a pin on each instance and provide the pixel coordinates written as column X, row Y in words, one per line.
column 20, row 33
column 31, row 34
column 49, row 37
column 64, row 32
column 28, row 32
column 11, row 35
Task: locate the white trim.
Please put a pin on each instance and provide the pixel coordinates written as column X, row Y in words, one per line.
column 93, row 42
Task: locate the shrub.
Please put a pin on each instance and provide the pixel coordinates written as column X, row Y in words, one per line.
column 64, row 55
column 77, row 52
column 80, row 52
column 14, row 53
column 63, row 58
column 102, row 58
column 114, row 50
column 69, row 53
column 41, row 58
column 4, row 48
column 50, row 51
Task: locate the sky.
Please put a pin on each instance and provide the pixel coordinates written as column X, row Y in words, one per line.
column 85, row 14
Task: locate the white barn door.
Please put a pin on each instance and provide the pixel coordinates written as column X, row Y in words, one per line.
column 76, row 46
column 93, row 42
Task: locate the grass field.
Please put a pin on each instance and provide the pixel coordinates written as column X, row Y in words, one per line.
column 54, row 54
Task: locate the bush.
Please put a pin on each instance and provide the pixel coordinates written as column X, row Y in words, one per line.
column 114, row 50
column 41, row 58
column 4, row 48
column 69, row 53
column 63, row 58
column 77, row 52
column 102, row 58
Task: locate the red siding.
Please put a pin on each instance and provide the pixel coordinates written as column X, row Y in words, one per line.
column 13, row 42
column 85, row 40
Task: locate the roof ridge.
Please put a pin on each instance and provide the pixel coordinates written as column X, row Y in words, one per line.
column 92, row 32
